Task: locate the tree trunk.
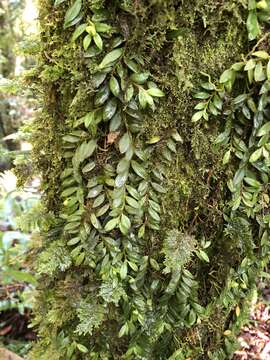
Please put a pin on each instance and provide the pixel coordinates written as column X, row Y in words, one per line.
column 137, row 261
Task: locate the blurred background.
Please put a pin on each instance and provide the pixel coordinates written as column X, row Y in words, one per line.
column 18, row 30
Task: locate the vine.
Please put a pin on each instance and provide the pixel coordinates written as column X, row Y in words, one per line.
column 111, row 208
column 241, row 99
column 258, row 14
column 125, row 268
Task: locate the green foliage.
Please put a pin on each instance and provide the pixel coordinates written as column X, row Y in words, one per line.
column 258, row 14
column 138, row 190
column 240, row 98
column 178, row 249
column 14, row 245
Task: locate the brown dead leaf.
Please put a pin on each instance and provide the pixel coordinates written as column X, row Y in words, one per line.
column 112, row 136
column 5, row 330
column 8, row 355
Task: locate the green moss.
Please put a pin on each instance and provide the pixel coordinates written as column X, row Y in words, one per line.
column 175, row 41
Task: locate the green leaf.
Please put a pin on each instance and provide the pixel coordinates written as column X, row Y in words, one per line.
column 124, row 143
column 114, row 86
column 139, row 170
column 259, row 74
column 102, row 95
column 238, row 177
column 124, row 330
column 82, row 348
column 111, row 57
column 122, row 166
column 223, row 137
column 133, row 203
column 98, row 41
column 98, row 79
column 84, row 151
column 226, row 157
column 71, row 139
column 142, row 98
column 95, row 191
column 264, row 129
column 252, row 182
column 20, row 276
column 139, row 78
column 145, row 98
column 141, row 231
column 261, row 54
column 102, row 210
column 74, row 241
column 197, row 116
column 253, row 26
column 158, row 188
column 201, row 95
column 69, row 191
column 58, row 2
column 125, row 224
column 102, row 27
column 78, row 32
column 88, row 167
column 201, row 106
column 154, row 264
column 99, row 200
column 95, row 222
column 153, row 140
column 202, row 255
column 226, row 76
column 132, row 65
column 155, row 92
column 123, row 271
column 250, row 65
column 111, row 224
column 109, row 109
column 268, row 70
column 121, row 179
column 72, row 12
column 115, row 122
column 256, row 155
column 238, row 66
column 87, row 41
column 129, row 93
column 153, row 214
column 240, row 99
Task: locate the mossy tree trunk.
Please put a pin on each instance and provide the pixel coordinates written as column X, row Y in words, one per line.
column 134, row 261
column 8, row 37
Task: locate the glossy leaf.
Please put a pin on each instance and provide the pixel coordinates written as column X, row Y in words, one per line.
column 197, row 116
column 265, row 129
column 255, row 155
column 98, row 41
column 124, row 143
column 114, row 86
column 78, row 32
column 139, row 78
column 155, row 92
column 253, row 26
column 109, row 109
column 72, row 12
column 139, row 169
column 111, row 57
column 111, row 224
column 102, row 96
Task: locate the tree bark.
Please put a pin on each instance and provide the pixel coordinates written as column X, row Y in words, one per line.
column 134, row 190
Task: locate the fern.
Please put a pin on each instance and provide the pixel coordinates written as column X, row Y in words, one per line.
column 178, row 249
column 90, row 314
